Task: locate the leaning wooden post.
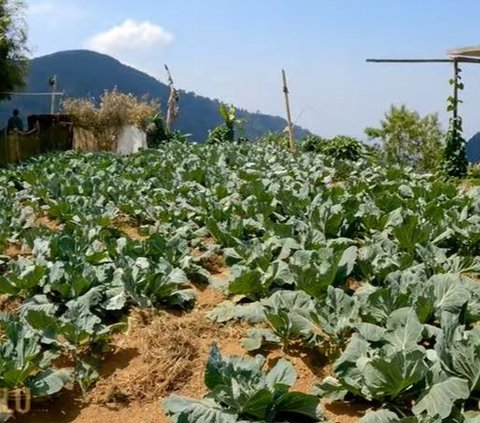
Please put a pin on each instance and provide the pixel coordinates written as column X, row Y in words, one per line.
column 289, row 114
column 172, row 106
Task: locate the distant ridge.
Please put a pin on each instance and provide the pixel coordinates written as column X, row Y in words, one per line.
column 84, row 73
column 473, row 149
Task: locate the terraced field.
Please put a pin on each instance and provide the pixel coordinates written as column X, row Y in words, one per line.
column 231, row 283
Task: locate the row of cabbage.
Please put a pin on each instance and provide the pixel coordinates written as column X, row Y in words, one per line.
column 372, row 266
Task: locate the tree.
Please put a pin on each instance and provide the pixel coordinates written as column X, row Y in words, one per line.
column 410, row 139
column 13, row 50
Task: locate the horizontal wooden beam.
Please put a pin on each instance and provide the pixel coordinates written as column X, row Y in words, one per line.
column 409, row 60
column 452, row 60
column 32, row 94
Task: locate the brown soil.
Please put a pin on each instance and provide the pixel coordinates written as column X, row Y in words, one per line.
column 9, row 304
column 132, row 232
column 309, row 365
column 343, row 412
column 125, row 224
column 209, row 240
column 47, row 222
column 17, row 250
column 353, row 285
column 214, row 263
column 208, row 297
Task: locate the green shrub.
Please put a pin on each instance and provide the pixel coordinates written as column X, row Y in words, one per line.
column 221, row 134
column 275, row 138
column 474, row 171
column 156, row 132
column 344, row 148
column 312, row 143
column 410, row 139
column 158, row 135
column 226, row 131
column 339, row 148
column 179, row 136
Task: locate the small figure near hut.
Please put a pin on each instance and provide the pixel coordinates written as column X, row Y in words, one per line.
column 15, row 123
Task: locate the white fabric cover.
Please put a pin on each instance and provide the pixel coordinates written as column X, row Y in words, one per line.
column 131, row 140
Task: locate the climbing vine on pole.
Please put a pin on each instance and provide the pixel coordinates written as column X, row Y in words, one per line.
column 455, row 162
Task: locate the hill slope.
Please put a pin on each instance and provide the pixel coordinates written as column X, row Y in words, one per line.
column 84, row 73
column 473, row 149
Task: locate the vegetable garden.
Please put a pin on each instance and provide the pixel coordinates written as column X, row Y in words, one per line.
column 364, row 273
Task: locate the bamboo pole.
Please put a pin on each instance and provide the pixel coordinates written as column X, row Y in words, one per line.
column 289, row 114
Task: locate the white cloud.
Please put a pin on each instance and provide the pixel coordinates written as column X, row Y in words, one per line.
column 131, row 37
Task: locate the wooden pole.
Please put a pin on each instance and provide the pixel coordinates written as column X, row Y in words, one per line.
column 289, row 114
column 52, row 98
column 172, row 106
column 456, row 72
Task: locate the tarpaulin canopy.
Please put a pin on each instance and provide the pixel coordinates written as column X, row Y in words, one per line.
column 473, row 52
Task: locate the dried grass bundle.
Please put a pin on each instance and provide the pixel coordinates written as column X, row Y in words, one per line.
column 115, row 111
column 167, row 357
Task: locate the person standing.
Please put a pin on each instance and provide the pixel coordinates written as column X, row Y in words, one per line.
column 14, row 127
column 15, row 123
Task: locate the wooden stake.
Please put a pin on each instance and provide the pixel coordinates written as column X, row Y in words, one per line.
column 289, row 114
column 456, row 71
column 53, row 85
column 172, row 106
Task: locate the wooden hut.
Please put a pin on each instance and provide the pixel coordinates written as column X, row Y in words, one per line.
column 45, row 133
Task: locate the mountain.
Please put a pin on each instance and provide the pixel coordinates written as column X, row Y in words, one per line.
column 473, row 149
column 83, row 73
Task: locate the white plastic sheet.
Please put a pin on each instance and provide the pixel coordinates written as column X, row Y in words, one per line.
column 131, row 140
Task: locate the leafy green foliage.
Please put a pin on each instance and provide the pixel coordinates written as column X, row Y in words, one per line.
column 12, row 47
column 156, row 132
column 312, row 143
column 373, row 267
column 455, row 161
column 410, row 139
column 397, row 358
column 225, row 132
column 25, row 364
column 339, row 147
column 294, row 315
column 239, row 390
column 279, row 139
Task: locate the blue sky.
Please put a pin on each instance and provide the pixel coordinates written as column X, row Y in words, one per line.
column 234, row 51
